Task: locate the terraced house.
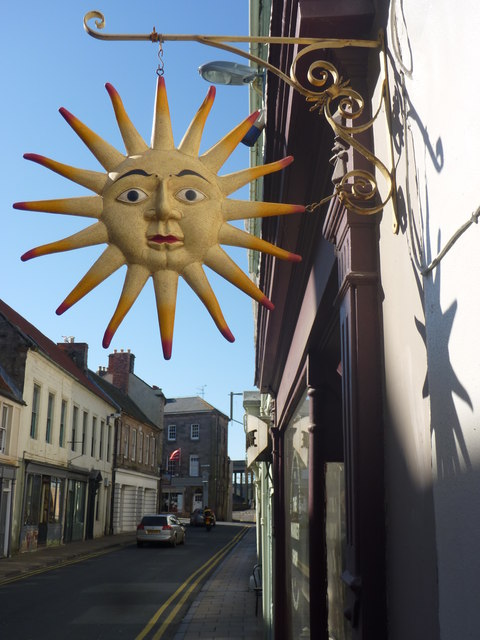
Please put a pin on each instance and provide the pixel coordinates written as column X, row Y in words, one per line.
column 57, row 442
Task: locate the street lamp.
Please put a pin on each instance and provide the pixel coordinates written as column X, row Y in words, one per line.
column 232, row 73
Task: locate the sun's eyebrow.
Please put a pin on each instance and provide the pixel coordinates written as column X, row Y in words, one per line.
column 138, row 172
column 189, row 172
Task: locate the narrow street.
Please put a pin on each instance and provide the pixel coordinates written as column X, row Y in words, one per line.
column 129, row 593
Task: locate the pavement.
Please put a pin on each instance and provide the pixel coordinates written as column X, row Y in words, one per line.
column 223, row 608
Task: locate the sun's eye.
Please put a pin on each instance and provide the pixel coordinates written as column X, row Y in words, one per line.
column 132, row 196
column 190, row 195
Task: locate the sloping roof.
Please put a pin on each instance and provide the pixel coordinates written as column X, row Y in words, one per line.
column 8, row 389
column 37, row 340
column 123, row 400
column 191, row 404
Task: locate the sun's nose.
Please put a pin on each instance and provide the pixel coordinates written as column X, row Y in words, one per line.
column 165, row 203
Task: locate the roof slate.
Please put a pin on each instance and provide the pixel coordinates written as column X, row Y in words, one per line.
column 191, row 404
column 38, row 340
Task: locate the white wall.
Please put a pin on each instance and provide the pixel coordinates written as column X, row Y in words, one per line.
column 433, row 375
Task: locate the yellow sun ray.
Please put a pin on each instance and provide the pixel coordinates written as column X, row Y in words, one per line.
column 237, row 238
column 163, row 212
column 134, row 143
column 89, row 237
column 240, row 209
column 110, row 260
column 92, row 180
column 195, row 276
column 217, row 155
column 221, row 262
column 107, row 155
column 162, row 136
column 135, row 280
column 165, row 284
column 234, row 181
column 192, row 139
column 85, row 206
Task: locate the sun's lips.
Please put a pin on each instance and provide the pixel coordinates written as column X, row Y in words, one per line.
column 164, row 239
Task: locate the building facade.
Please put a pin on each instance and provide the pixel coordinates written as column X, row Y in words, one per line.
column 58, row 439
column 136, row 477
column 368, row 360
column 195, row 463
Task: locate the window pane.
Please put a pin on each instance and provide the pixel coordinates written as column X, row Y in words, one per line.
column 50, row 407
column 63, row 418
column 35, row 406
column 296, row 513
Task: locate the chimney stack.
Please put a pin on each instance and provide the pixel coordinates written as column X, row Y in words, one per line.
column 120, row 366
column 77, row 351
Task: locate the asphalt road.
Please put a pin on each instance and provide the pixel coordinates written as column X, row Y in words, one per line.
column 131, row 593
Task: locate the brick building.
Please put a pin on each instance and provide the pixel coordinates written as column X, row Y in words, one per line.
column 198, row 475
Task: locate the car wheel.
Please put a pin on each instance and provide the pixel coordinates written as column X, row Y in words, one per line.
column 139, row 544
column 174, row 541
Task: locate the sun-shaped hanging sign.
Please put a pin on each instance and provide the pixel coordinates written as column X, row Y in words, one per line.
column 163, row 212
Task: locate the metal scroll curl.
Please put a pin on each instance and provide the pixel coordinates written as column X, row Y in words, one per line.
column 342, row 107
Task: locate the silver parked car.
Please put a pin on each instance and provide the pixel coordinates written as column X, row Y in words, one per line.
column 160, row 527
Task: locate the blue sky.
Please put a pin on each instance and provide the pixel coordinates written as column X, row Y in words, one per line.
column 50, row 62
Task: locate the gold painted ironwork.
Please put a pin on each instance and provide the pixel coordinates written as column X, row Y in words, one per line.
column 328, row 93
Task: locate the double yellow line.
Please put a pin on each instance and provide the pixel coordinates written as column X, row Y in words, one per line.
column 192, row 582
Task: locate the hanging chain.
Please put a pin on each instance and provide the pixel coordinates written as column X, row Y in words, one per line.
column 310, row 208
column 161, row 63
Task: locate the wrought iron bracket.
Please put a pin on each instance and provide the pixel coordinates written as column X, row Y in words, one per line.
column 326, row 92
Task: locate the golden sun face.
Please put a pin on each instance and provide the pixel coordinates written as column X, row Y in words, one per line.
column 163, row 212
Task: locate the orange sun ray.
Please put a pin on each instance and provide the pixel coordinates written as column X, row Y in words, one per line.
column 234, row 181
column 95, row 234
column 192, row 139
column 165, row 284
column 217, row 155
column 85, row 206
column 240, row 209
column 195, row 276
column 107, row 155
column 110, row 260
column 135, row 280
column 162, row 136
column 220, row 262
column 237, row 238
column 92, row 180
column 134, row 143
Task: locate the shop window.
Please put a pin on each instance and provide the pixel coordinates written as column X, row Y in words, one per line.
column 296, row 513
column 32, row 499
column 338, row 626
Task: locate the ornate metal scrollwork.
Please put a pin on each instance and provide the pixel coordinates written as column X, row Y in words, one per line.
column 328, row 93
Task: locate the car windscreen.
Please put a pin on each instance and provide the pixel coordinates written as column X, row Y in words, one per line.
column 154, row 521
